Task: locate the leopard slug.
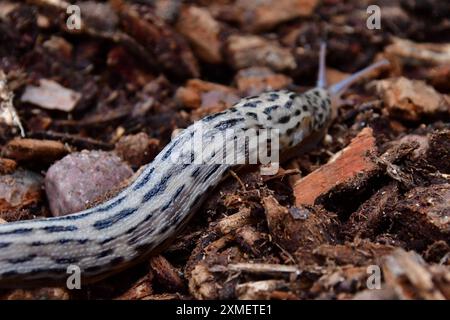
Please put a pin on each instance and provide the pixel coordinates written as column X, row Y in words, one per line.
column 130, row 226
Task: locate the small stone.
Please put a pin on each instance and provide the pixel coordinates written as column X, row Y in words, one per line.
column 79, row 178
column 44, row 151
column 20, row 189
column 248, row 51
column 51, row 95
column 137, row 149
column 202, row 31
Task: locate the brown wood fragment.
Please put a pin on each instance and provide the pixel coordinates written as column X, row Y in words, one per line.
column 248, row 51
column 163, row 45
column 35, row 150
column 407, row 273
column 297, row 227
column 411, row 99
column 141, row 289
column 202, row 31
column 234, row 221
column 259, row 289
column 166, row 274
column 350, row 164
column 264, row 15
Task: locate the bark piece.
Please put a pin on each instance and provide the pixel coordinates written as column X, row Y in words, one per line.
column 202, row 31
column 358, row 253
column 167, row 49
column 264, row 15
column 411, row 278
column 352, row 165
column 410, row 100
column 297, row 227
column 234, row 221
column 19, row 190
column 424, row 216
column 166, row 274
column 341, row 282
column 44, row 151
column 7, row 166
column 418, row 53
column 140, row 290
column 249, row 51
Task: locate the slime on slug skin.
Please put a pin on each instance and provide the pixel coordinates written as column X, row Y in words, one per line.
column 132, row 225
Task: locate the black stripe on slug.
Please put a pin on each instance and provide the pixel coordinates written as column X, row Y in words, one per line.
column 144, row 180
column 37, row 243
column 252, row 115
column 65, row 241
column 17, row 231
column 158, row 188
column 133, row 240
column 4, row 244
column 288, row 104
column 148, row 217
column 108, row 222
column 177, row 192
column 211, row 172
column 53, row 229
column 22, row 260
column 213, row 116
column 174, row 197
column 252, row 104
column 105, row 253
column 106, row 241
column 111, row 205
column 66, row 260
column 226, row 124
column 268, row 110
column 167, row 205
column 284, row 119
column 273, row 97
column 131, row 230
column 195, row 172
column 172, row 145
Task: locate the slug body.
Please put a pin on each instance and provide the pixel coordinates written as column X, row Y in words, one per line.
column 130, row 226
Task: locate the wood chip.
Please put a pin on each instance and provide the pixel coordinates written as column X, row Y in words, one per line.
column 51, row 95
column 351, row 163
column 46, row 151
